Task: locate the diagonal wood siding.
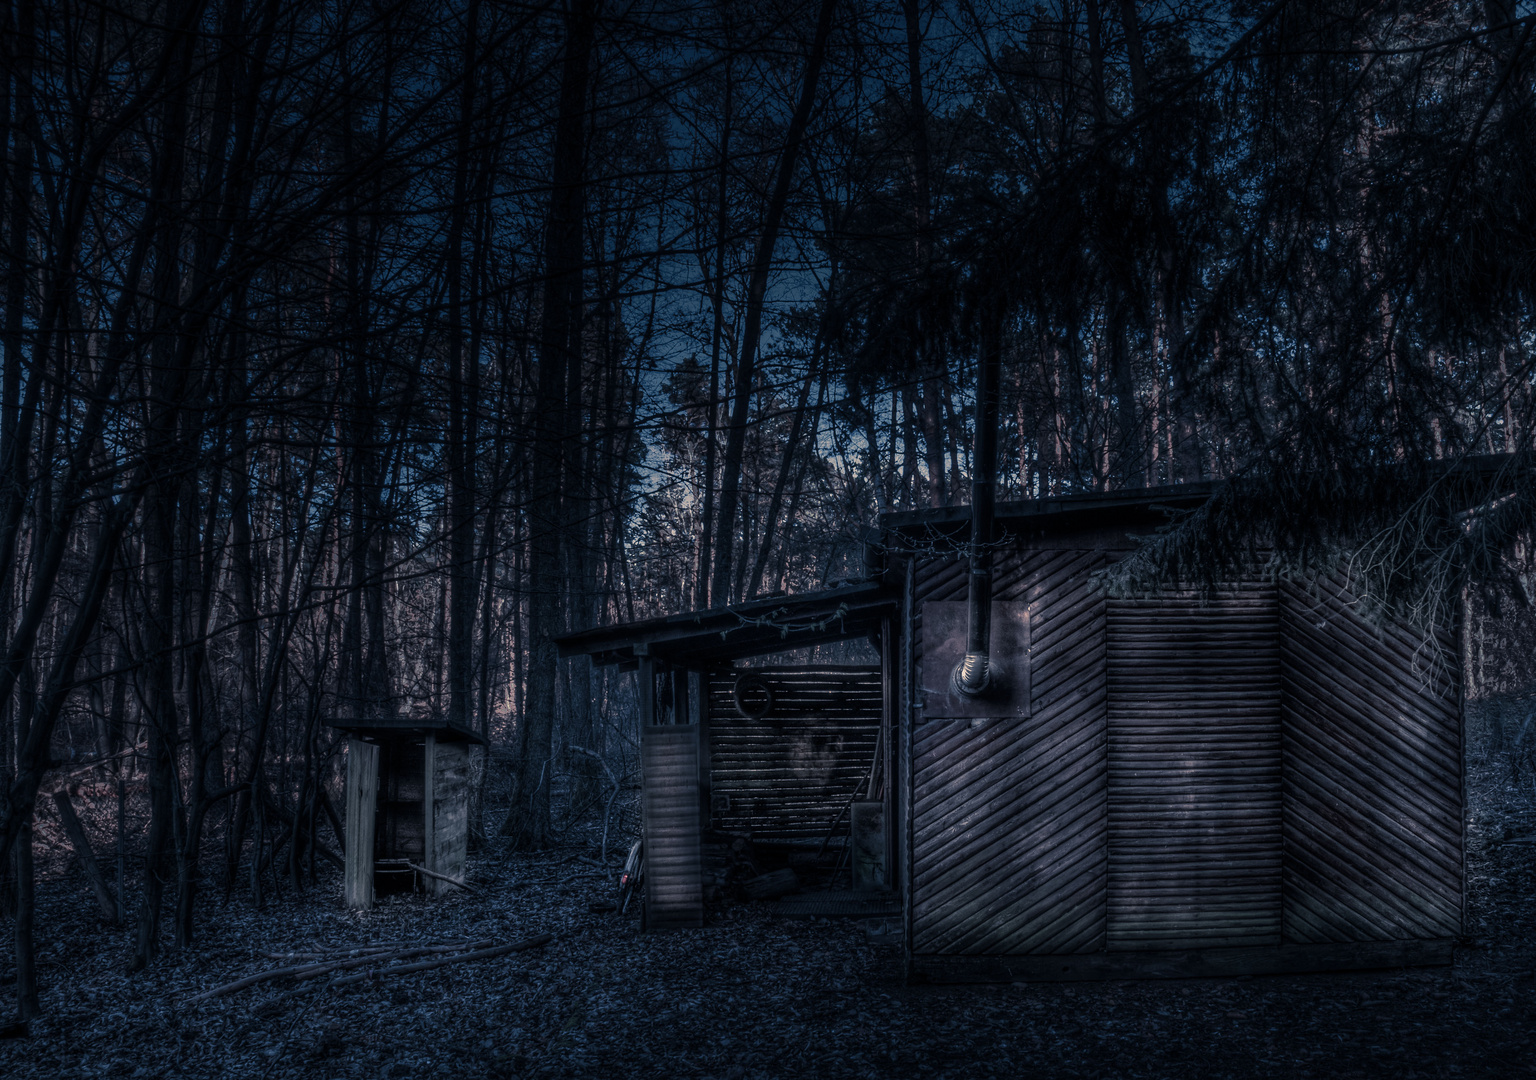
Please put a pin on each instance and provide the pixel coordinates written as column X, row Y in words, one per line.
column 1373, row 796
column 1259, row 772
column 1008, row 842
column 1194, row 770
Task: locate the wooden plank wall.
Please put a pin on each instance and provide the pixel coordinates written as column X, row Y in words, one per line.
column 1258, row 772
column 787, row 776
column 449, row 834
column 1008, row 850
column 362, row 799
column 1194, row 770
column 1373, row 783
column 674, row 889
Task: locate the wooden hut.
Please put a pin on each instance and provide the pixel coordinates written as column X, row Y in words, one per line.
column 785, row 756
column 1256, row 780
column 407, row 806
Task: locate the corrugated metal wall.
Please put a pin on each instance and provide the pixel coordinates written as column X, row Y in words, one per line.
column 674, row 890
column 1008, row 827
column 1373, row 796
column 1194, row 770
column 789, row 775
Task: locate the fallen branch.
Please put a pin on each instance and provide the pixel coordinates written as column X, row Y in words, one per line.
column 344, row 954
column 311, row 970
column 105, row 898
column 427, row 965
column 443, row 877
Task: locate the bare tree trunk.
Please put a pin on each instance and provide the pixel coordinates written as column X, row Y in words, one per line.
column 461, row 413
column 717, row 334
column 757, row 288
column 528, row 822
column 786, row 462
column 167, row 386
column 27, row 1004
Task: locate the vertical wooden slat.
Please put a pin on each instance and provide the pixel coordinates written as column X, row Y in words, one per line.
column 674, row 891
column 699, row 707
column 362, row 799
column 1008, row 814
column 1194, row 770
column 1373, row 786
column 889, row 688
column 450, row 814
column 429, row 809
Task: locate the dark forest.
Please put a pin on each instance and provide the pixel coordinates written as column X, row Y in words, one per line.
column 356, row 356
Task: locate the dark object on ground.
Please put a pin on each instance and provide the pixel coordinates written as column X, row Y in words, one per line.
column 840, row 905
column 340, row 963
column 772, row 885
column 427, row 965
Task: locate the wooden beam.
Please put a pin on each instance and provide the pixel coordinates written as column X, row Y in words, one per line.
column 362, row 805
column 428, row 808
column 450, row 814
column 1184, row 964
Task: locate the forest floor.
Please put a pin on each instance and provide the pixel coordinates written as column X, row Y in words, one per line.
column 749, row 996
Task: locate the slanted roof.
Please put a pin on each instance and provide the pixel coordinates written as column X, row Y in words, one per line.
column 1128, row 507
column 698, row 640
column 1477, row 476
column 407, row 725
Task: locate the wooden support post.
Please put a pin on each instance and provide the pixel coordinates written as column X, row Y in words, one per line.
column 890, row 684
column 428, row 805
column 362, row 805
column 698, row 694
column 448, row 820
column 645, row 675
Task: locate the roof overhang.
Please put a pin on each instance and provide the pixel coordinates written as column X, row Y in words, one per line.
column 1149, row 507
column 405, row 725
column 700, row 640
column 1128, row 507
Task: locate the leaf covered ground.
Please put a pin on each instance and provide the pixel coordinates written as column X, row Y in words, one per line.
column 749, row 996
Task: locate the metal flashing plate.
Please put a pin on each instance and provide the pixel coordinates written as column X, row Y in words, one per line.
column 944, row 632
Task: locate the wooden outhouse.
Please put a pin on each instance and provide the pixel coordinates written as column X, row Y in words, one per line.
column 1256, row 779
column 407, row 806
